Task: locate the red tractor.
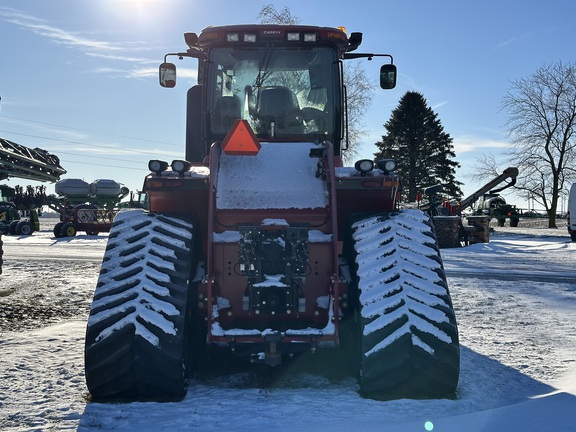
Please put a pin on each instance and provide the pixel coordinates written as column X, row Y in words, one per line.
column 260, row 241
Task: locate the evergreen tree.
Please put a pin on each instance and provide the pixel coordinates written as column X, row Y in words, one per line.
column 423, row 151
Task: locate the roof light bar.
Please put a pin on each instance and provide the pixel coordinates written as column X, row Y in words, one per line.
column 293, row 36
column 310, row 37
column 232, row 37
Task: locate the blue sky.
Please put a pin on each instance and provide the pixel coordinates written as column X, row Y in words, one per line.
column 79, row 78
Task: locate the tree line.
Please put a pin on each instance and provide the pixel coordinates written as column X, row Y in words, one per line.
column 541, row 123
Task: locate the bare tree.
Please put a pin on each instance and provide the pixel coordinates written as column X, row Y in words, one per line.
column 359, row 95
column 541, row 122
column 269, row 15
column 358, row 86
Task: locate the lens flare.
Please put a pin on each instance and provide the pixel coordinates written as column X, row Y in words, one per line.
column 429, row 426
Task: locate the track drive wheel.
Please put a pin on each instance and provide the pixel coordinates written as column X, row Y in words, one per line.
column 135, row 342
column 407, row 333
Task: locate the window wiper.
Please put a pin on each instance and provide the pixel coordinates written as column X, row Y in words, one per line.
column 263, row 66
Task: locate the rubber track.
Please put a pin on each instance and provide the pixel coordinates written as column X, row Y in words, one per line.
column 134, row 339
column 409, row 337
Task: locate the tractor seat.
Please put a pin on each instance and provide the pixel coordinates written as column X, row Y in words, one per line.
column 279, row 105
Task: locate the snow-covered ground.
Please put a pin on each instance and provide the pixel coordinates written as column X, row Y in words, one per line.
column 515, row 300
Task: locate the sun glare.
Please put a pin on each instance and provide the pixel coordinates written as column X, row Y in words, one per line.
column 136, row 11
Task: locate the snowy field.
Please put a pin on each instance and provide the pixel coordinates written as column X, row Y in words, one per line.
column 515, row 301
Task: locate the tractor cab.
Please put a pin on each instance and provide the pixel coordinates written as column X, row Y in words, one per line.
column 285, row 81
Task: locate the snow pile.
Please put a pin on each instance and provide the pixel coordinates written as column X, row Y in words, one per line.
column 281, row 176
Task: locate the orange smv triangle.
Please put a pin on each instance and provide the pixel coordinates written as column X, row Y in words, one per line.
column 241, row 140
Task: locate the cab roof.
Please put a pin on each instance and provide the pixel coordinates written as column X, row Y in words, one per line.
column 262, row 34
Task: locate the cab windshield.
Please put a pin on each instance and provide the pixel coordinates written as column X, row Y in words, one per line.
column 284, row 93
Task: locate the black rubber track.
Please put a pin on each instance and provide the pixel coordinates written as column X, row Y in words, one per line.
column 135, row 335
column 408, row 337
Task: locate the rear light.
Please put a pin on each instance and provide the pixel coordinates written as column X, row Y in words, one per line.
column 232, row 37
column 169, row 183
column 387, row 165
column 389, row 184
column 379, row 184
column 310, row 37
column 293, row 36
column 364, row 166
column 157, row 166
column 180, row 166
column 154, row 183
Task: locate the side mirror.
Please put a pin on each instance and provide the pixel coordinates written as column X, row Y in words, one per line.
column 388, row 76
column 167, row 73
